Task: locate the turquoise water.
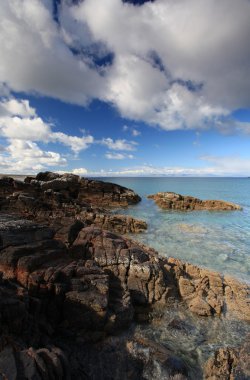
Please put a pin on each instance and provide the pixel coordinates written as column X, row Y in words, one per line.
column 216, row 240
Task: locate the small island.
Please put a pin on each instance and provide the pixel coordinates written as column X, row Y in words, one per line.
column 174, row 201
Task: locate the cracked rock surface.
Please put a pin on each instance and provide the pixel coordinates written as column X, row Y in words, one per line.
column 73, row 291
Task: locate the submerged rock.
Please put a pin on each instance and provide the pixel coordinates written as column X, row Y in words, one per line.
column 173, row 201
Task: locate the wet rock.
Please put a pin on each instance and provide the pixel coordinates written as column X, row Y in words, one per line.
column 173, row 201
column 158, row 361
column 229, row 363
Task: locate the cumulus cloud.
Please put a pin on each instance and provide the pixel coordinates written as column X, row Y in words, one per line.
column 119, row 144
column 19, row 120
column 177, row 65
column 80, row 171
column 179, row 59
column 27, row 157
column 23, row 129
column 16, row 107
column 118, row 156
column 36, row 58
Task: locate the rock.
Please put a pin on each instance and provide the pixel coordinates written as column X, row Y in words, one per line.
column 199, row 306
column 61, row 201
column 33, row 364
column 192, row 228
column 133, row 269
column 116, row 223
column 208, row 292
column 16, row 231
column 173, row 201
column 8, row 367
column 158, row 361
column 46, row 176
column 72, row 292
column 106, row 194
column 229, row 363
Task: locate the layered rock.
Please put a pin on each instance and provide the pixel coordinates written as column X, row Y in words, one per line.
column 48, row 292
column 86, row 190
column 67, row 285
column 98, row 286
column 173, row 201
column 67, row 201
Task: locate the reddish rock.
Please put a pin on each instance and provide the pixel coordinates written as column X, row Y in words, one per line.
column 208, row 292
column 173, row 201
column 229, row 363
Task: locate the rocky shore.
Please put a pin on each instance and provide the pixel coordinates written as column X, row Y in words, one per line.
column 173, row 201
column 74, row 290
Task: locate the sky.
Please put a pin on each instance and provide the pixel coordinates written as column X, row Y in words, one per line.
column 125, row 88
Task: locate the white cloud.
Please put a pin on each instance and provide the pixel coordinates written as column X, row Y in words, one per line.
column 80, row 171
column 134, row 132
column 209, row 166
column 18, row 108
column 74, row 142
column 118, row 156
column 27, row 125
column 23, row 129
column 34, row 56
column 182, row 64
column 27, row 157
column 229, row 165
column 119, row 144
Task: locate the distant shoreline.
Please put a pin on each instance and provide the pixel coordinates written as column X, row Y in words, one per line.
column 22, row 176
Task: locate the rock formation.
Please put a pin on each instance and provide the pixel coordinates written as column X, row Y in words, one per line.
column 229, row 363
column 72, row 291
column 173, row 201
column 209, row 293
column 68, row 202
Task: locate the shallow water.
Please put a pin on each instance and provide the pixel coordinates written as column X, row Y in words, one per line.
column 193, row 339
column 216, row 240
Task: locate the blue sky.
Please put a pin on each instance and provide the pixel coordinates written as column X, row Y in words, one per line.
column 109, row 88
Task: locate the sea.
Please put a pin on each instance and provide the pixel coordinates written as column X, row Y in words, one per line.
column 219, row 241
